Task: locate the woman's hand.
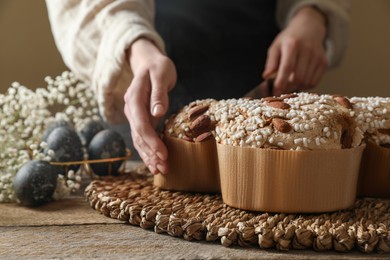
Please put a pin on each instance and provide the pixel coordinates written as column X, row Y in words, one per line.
column 297, row 53
column 146, row 100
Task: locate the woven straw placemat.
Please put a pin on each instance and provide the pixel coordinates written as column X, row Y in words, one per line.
column 193, row 216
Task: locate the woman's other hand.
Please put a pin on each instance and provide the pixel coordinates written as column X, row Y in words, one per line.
column 298, row 54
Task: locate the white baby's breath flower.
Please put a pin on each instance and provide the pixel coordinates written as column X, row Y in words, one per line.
column 62, row 189
column 47, row 159
column 43, row 145
column 76, row 186
column 24, row 115
column 78, row 178
column 70, row 183
column 33, row 146
column 50, row 152
column 71, row 174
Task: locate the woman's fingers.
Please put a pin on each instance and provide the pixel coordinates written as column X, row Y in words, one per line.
column 318, row 71
column 302, row 70
column 163, row 79
column 272, row 62
column 287, row 65
column 150, row 147
column 155, row 164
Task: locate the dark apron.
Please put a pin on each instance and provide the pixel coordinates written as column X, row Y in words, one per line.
column 219, row 47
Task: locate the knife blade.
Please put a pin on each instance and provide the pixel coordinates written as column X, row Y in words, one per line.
column 264, row 89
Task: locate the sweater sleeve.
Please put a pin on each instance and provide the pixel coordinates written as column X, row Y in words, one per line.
column 92, row 36
column 337, row 13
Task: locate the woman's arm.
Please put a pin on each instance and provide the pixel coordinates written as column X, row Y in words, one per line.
column 93, row 36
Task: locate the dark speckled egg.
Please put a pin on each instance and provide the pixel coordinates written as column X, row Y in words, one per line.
column 66, row 144
column 106, row 144
column 35, row 182
column 90, row 130
column 54, row 125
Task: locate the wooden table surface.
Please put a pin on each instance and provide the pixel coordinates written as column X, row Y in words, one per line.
column 72, row 229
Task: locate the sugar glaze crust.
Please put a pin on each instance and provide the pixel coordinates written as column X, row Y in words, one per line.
column 298, row 121
column 292, row 122
column 372, row 115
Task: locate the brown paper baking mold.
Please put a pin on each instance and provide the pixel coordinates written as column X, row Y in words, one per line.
column 288, row 181
column 374, row 179
column 192, row 166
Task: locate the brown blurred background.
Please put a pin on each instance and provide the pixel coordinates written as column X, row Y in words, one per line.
column 28, row 53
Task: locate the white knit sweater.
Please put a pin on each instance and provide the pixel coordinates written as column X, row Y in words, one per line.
column 92, row 36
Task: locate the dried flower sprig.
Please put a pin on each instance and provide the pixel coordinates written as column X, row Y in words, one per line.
column 24, row 115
